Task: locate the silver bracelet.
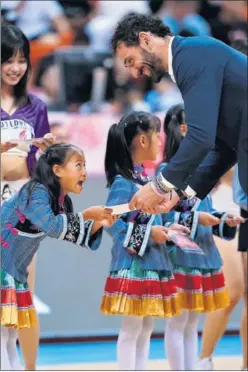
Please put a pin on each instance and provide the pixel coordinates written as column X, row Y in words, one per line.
column 160, row 185
column 156, row 190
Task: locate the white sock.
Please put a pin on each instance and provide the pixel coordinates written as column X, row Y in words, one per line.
column 12, row 350
column 174, row 340
column 191, row 341
column 127, row 342
column 5, row 364
column 143, row 344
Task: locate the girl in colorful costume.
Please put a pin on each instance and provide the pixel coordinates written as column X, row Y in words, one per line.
column 198, row 273
column 141, row 284
column 42, row 208
column 23, row 117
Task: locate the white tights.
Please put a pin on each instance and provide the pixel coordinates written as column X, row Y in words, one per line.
column 134, row 343
column 181, row 341
column 9, row 355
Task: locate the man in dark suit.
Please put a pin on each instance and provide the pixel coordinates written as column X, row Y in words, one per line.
column 212, row 78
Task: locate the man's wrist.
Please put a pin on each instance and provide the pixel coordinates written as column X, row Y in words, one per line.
column 156, row 189
column 161, row 186
column 165, row 187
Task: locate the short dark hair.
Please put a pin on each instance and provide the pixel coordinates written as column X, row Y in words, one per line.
column 129, row 27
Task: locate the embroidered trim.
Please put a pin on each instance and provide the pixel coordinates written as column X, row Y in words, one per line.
column 187, row 205
column 176, row 217
column 186, row 219
column 62, row 235
column 138, row 234
column 7, row 192
column 194, row 225
column 221, row 225
column 73, row 228
column 37, row 235
column 218, row 230
column 87, row 229
column 128, row 234
column 146, row 237
column 196, row 205
column 81, row 235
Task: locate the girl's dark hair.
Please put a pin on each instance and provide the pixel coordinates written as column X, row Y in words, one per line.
column 12, row 41
column 173, row 119
column 118, row 158
column 56, row 154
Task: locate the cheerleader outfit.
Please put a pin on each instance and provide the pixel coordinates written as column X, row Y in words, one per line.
column 139, row 284
column 199, row 278
column 26, row 122
column 23, row 227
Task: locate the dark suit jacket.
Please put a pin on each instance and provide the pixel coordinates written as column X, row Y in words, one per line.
column 212, row 78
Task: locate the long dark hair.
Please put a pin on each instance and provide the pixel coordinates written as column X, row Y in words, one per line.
column 12, row 41
column 56, row 154
column 118, row 159
column 173, row 119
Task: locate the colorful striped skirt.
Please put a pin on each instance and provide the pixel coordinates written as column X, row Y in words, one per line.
column 140, row 292
column 17, row 309
column 201, row 289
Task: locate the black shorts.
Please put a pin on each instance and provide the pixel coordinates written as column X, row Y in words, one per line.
column 243, row 233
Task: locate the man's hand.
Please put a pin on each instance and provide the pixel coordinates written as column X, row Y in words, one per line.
column 148, row 201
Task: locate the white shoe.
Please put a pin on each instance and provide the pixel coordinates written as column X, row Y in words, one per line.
column 205, row 364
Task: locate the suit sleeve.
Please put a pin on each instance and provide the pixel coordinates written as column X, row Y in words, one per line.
column 201, row 85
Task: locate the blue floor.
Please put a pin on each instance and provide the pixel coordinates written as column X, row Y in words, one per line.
column 106, row 351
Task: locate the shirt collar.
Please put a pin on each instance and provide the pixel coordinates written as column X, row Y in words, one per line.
column 171, row 73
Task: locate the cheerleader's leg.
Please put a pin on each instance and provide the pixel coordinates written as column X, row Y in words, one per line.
column 143, row 344
column 131, row 328
column 174, row 340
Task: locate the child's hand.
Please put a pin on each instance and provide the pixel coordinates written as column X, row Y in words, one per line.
column 179, row 228
column 100, row 214
column 207, row 219
column 108, row 218
column 233, row 220
column 159, row 234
